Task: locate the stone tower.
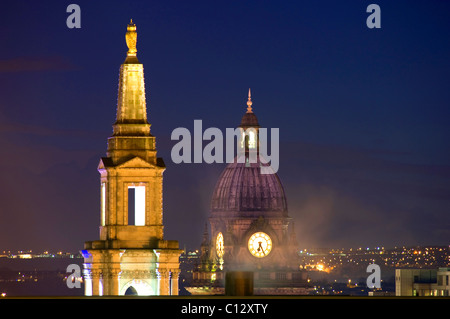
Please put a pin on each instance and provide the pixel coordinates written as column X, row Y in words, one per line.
column 132, row 256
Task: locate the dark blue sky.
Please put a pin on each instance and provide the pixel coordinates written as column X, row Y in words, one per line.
column 363, row 113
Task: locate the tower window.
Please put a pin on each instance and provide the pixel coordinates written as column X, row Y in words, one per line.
column 281, row 276
column 264, row 276
column 251, row 139
column 136, row 205
column 248, row 139
column 103, row 204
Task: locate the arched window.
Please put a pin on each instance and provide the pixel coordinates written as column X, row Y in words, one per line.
column 131, row 291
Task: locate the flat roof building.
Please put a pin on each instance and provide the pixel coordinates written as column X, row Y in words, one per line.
column 422, row 282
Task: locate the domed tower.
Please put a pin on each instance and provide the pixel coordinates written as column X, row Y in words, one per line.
column 249, row 223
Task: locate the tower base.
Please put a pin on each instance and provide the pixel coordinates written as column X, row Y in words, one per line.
column 111, row 269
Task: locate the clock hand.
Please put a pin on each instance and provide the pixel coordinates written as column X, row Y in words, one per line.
column 260, row 248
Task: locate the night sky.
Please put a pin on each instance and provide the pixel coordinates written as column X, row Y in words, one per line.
column 363, row 113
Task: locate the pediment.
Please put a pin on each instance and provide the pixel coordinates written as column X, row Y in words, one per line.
column 135, row 162
column 104, row 162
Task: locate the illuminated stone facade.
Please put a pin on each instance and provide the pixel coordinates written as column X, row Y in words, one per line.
column 132, row 256
column 250, row 227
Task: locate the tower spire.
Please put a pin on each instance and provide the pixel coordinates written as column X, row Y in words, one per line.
column 249, row 102
column 131, row 117
column 131, row 243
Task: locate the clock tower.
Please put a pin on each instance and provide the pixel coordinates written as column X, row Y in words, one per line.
column 249, row 225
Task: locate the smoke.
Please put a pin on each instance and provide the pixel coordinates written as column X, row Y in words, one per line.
column 340, row 197
column 328, row 217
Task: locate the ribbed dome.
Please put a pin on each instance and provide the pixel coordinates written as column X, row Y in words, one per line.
column 249, row 120
column 242, row 188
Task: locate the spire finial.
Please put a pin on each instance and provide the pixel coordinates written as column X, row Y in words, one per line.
column 131, row 38
column 249, row 102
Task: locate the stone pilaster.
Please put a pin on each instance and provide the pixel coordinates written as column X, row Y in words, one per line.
column 163, row 275
column 174, row 276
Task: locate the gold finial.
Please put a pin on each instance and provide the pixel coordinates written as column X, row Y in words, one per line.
column 131, row 38
column 249, row 102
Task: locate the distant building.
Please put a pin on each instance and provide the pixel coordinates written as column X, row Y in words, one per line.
column 422, row 282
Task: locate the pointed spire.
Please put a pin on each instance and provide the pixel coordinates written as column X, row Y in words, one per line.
column 249, row 102
column 205, row 241
column 205, row 234
column 131, row 103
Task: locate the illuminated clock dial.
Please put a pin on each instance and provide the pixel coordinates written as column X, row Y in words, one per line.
column 260, row 244
column 219, row 245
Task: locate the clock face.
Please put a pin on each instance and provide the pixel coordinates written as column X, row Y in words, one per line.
column 219, row 245
column 260, row 244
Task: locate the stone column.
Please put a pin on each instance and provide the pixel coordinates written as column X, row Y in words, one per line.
column 111, row 282
column 87, row 274
column 174, row 274
column 95, row 274
column 163, row 282
column 114, row 288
